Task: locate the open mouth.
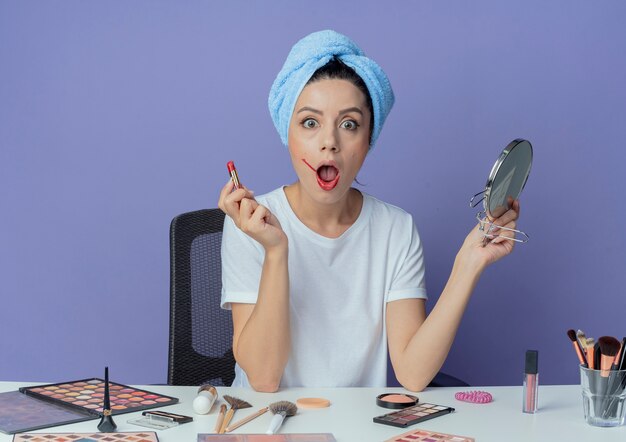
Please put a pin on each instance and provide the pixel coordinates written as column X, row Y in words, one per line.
column 327, row 175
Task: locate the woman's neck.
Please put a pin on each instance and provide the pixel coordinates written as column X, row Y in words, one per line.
column 330, row 220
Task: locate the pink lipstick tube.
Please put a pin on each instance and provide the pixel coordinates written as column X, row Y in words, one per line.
column 531, row 382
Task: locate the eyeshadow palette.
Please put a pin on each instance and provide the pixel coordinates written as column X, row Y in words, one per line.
column 412, row 415
column 88, row 394
column 287, row 437
column 429, row 436
column 147, row 436
column 19, row 412
column 44, row 406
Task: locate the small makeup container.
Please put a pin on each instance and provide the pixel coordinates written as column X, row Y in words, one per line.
column 531, row 382
column 160, row 420
column 396, row 401
column 207, row 395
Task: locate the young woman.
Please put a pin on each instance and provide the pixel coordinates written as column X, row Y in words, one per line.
column 323, row 279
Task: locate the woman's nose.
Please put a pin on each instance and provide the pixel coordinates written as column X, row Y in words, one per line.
column 330, row 141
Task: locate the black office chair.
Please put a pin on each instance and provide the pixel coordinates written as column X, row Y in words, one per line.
column 201, row 333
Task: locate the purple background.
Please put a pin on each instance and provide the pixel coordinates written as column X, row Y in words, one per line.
column 117, row 116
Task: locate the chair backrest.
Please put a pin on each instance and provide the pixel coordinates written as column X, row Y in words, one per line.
column 200, row 347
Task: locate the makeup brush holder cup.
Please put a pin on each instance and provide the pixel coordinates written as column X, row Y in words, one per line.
column 604, row 396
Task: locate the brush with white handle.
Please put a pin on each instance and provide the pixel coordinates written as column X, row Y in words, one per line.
column 281, row 410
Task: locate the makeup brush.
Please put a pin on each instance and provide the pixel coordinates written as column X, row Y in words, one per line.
column 590, row 353
column 618, row 383
column 246, row 419
column 582, row 340
column 571, row 334
column 621, row 364
column 235, row 404
column 596, row 355
column 618, row 356
column 609, row 347
column 220, row 418
column 281, row 410
column 106, row 424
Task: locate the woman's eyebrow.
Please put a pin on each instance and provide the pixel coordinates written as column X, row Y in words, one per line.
column 310, row 109
column 351, row 109
column 341, row 112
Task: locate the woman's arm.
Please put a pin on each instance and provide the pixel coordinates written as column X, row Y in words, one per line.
column 419, row 345
column 261, row 337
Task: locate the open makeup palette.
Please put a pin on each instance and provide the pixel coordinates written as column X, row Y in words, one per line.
column 87, row 437
column 412, row 415
column 43, row 406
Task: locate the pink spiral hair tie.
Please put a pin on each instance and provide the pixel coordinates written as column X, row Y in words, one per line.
column 475, row 397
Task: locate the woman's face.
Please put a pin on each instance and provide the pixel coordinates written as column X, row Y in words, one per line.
column 329, row 137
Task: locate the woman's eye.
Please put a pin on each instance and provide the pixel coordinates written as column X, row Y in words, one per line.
column 309, row 123
column 350, row 124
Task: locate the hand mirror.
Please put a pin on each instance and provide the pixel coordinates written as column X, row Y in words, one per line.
column 506, row 181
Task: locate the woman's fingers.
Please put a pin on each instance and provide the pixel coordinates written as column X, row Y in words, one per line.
column 246, row 211
column 258, row 218
column 510, row 215
column 265, row 228
column 504, row 232
column 226, row 190
column 230, row 200
column 516, row 207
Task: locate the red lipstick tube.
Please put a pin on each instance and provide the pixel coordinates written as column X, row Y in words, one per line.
column 531, row 382
column 233, row 174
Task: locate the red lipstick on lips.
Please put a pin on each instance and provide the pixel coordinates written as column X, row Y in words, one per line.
column 325, row 185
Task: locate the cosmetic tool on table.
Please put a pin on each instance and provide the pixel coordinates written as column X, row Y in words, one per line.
column 418, row 435
column 396, row 401
column 145, row 436
column 605, row 355
column 571, row 334
column 220, row 418
column 411, row 415
column 235, row 404
column 254, row 437
column 160, row 420
column 246, row 419
column 591, row 344
column 617, row 385
column 106, row 424
column 48, row 405
column 531, row 382
column 86, row 396
column 605, row 358
column 620, row 360
column 312, row 402
column 281, row 410
column 609, row 348
column 474, row 397
column 581, row 338
column 207, row 395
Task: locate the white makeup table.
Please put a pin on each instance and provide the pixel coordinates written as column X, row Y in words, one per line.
column 349, row 418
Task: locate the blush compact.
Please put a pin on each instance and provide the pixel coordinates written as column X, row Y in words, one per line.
column 396, row 401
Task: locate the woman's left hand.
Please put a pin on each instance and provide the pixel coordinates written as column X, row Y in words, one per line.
column 483, row 254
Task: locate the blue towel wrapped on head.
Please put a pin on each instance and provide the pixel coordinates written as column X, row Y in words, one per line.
column 310, row 54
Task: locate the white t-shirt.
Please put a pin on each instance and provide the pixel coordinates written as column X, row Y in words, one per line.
column 338, row 290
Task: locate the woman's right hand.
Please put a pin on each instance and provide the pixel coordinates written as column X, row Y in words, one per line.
column 254, row 219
